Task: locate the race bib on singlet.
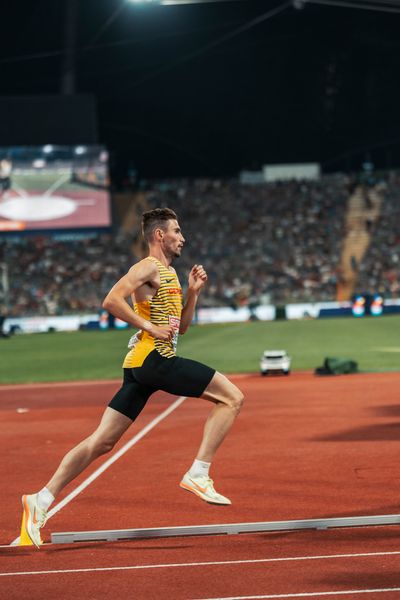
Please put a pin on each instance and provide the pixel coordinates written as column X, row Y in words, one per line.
column 133, row 341
column 175, row 322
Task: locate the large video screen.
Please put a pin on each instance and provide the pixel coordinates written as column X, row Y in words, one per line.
column 54, row 187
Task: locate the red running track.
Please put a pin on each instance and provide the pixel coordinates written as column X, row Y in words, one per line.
column 303, row 447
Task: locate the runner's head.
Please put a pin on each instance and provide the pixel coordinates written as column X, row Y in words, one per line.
column 160, row 226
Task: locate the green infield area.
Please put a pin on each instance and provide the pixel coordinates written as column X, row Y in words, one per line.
column 230, row 348
column 42, row 182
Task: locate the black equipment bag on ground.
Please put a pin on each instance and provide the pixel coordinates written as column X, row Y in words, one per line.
column 337, row 366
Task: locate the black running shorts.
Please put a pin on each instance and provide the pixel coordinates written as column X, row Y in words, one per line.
column 176, row 375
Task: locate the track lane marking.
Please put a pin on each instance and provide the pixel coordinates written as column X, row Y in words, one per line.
column 136, row 438
column 56, row 184
column 20, row 191
column 205, row 564
column 307, row 594
column 7, row 387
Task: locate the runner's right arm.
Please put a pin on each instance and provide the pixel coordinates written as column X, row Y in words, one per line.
column 115, row 302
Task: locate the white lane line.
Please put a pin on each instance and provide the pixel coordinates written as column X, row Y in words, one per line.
column 58, row 183
column 386, row 349
column 308, row 594
column 112, row 459
column 20, row 191
column 205, row 564
column 56, row 384
column 90, row 382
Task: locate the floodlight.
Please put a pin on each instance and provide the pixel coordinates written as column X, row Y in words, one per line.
column 48, row 149
column 39, row 163
column 79, row 150
column 179, row 2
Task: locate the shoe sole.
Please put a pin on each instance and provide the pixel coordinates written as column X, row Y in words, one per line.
column 188, row 488
column 28, row 520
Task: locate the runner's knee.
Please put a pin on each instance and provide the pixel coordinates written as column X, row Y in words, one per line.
column 222, row 390
column 235, row 399
column 101, row 445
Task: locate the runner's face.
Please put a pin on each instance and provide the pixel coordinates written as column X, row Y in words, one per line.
column 173, row 239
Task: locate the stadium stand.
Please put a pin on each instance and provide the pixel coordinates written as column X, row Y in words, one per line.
column 380, row 269
column 269, row 243
column 363, row 210
column 63, row 274
column 275, row 242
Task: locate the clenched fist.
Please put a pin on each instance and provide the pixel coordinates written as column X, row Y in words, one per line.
column 197, row 278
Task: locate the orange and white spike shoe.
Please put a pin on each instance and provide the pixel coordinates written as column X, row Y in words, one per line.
column 203, row 487
column 35, row 518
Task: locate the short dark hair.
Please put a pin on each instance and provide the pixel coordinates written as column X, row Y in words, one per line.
column 156, row 219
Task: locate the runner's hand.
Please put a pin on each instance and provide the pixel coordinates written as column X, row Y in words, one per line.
column 162, row 332
column 197, row 278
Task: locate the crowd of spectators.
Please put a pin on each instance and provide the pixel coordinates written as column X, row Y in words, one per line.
column 267, row 243
column 275, row 242
column 64, row 274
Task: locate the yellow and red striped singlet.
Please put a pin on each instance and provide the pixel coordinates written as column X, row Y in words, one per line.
column 164, row 308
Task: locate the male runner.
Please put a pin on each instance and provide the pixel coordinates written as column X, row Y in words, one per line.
column 150, row 365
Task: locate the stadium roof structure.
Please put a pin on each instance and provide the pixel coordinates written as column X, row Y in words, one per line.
column 209, row 88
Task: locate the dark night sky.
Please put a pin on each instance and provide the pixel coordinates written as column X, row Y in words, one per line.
column 318, row 84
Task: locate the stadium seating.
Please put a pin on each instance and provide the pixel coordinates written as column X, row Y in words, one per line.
column 268, row 243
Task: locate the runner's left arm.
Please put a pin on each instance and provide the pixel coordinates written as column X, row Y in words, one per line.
column 197, row 280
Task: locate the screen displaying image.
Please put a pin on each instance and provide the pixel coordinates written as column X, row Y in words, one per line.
column 54, row 187
column 358, row 306
column 376, row 308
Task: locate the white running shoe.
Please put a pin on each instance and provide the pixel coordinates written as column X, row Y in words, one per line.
column 35, row 518
column 204, row 488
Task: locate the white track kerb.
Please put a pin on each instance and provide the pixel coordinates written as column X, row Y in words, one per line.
column 136, row 438
column 230, row 529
